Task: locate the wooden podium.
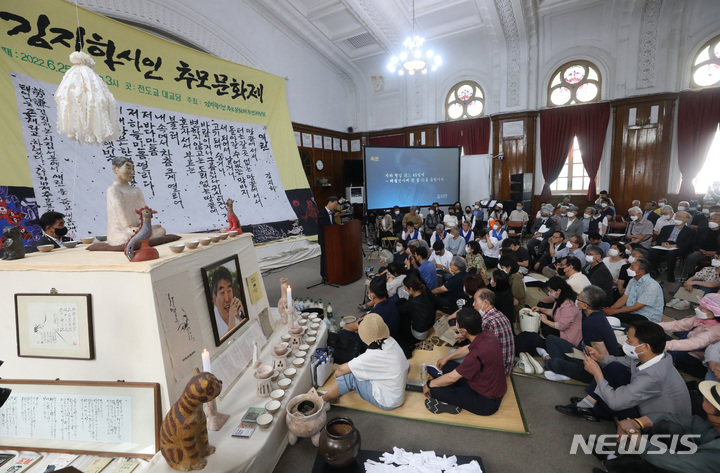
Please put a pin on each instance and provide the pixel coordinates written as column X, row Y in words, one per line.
column 343, row 252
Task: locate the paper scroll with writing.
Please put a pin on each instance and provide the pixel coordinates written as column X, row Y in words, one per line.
column 187, row 166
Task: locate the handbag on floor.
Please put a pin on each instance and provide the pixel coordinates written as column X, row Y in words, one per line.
column 344, row 348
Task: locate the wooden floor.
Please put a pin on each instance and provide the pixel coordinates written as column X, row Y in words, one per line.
column 509, row 417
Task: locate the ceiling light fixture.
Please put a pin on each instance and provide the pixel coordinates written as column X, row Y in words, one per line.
column 413, row 59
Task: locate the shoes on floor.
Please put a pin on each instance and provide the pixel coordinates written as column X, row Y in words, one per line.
column 552, row 376
column 433, row 372
column 537, row 368
column 524, row 364
column 576, row 399
column 672, row 303
column 682, row 305
column 575, row 411
column 438, row 407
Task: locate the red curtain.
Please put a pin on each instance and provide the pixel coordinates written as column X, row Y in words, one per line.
column 698, row 117
column 590, row 129
column 473, row 135
column 389, row 140
column 556, row 136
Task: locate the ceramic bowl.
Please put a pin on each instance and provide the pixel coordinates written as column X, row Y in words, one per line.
column 45, row 248
column 285, row 337
column 223, row 236
column 299, row 361
column 314, row 326
column 87, row 240
column 177, row 248
column 233, row 233
column 101, row 237
column 215, row 238
column 310, row 340
column 284, row 383
column 277, row 394
column 272, row 406
column 191, row 245
column 205, row 241
column 264, row 420
column 280, row 349
column 302, row 322
column 304, row 347
column 315, row 320
column 275, row 375
column 349, row 319
column 264, row 372
column 70, row 244
column 300, row 354
column 290, row 372
column 305, row 315
column 311, row 333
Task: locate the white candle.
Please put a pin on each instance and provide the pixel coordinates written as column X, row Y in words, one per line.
column 289, row 297
column 207, row 367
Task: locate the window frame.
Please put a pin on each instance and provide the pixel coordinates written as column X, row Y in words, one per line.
column 574, row 87
column 465, row 115
column 570, row 177
column 714, row 41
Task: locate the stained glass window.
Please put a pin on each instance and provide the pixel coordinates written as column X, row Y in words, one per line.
column 705, row 71
column 574, row 82
column 465, row 100
column 573, row 179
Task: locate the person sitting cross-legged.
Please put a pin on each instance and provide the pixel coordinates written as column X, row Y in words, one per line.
column 643, row 298
column 478, row 384
column 452, row 290
column 643, row 381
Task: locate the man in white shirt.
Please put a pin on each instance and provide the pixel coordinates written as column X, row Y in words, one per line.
column 228, row 309
column 441, row 257
column 666, row 218
column 571, row 268
column 519, row 215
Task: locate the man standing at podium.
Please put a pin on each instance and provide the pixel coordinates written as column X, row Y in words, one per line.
column 325, row 218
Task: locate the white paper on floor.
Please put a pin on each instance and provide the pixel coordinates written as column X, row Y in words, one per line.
column 401, row 461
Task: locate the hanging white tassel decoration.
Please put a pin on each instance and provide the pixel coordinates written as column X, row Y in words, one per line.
column 86, row 109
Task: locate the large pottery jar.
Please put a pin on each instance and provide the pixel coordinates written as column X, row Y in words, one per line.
column 339, row 442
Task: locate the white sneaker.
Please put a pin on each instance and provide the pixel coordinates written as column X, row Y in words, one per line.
column 524, row 364
column 682, row 305
column 552, row 376
column 537, row 367
column 672, row 303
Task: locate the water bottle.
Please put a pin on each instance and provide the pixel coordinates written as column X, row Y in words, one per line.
column 306, row 305
column 423, row 373
column 329, row 318
column 320, row 305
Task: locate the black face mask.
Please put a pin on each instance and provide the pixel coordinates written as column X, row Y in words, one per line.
column 61, row 232
column 561, row 271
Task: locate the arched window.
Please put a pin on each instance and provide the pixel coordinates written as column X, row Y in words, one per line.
column 574, row 82
column 465, row 100
column 705, row 70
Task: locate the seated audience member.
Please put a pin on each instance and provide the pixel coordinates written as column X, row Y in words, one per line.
column 394, row 275
column 521, row 254
column 469, row 218
column 596, row 333
column 662, row 202
column 410, row 233
column 54, row 229
column 634, row 203
column 441, row 257
column 417, row 314
column 560, row 214
column 397, row 219
column 439, row 235
column 599, row 274
column 498, row 214
column 438, row 211
column 695, row 335
column 595, row 239
column 565, row 202
column 607, row 209
column 546, row 257
column 508, row 264
column 667, row 216
column 623, row 277
column 702, row 217
column 538, row 214
column 571, row 225
column 640, row 230
column 519, row 214
column 705, row 245
column 413, row 217
column 615, row 260
column 591, row 222
column 466, row 232
column 560, row 250
column 649, row 212
column 677, row 241
column 571, row 270
column 683, row 206
column 643, row 298
column 380, row 374
column 453, row 289
column 651, row 386
column 454, row 243
column 431, row 222
column 475, row 261
column 504, row 300
column 542, row 229
column 705, row 439
column 712, row 362
column 496, row 232
column 477, row 384
column 377, row 293
column 401, row 253
column 450, row 219
column 426, row 268
column 707, row 280
column 386, row 225
column 495, row 322
column 490, row 248
column 385, row 258
column 601, row 222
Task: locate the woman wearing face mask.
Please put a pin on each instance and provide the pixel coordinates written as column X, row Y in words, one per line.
column 451, row 219
column 508, row 264
column 476, row 263
column 706, row 280
column 500, row 285
column 417, row 314
column 564, row 319
column 431, row 222
column 615, row 260
column 696, row 334
column 469, row 217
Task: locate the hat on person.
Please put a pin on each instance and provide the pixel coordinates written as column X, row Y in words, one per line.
column 711, row 391
column 386, row 255
column 572, row 208
column 712, row 303
column 548, row 208
column 499, row 205
column 372, row 329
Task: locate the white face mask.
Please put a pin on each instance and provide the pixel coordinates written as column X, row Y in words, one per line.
column 706, row 211
column 700, row 314
column 604, row 204
column 665, row 217
column 496, row 227
column 633, row 217
column 398, row 248
column 613, row 252
column 587, row 216
column 715, row 263
column 678, row 222
column 681, row 208
column 631, row 260
column 713, row 225
column 477, row 207
column 519, row 209
column 589, row 258
column 397, row 212
column 630, row 350
column 571, row 214
column 631, row 273
column 432, row 212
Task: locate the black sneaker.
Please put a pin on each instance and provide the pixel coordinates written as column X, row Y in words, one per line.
column 433, row 372
column 575, row 411
column 575, row 399
column 438, row 407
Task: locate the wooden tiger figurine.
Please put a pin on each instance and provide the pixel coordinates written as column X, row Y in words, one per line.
column 183, row 435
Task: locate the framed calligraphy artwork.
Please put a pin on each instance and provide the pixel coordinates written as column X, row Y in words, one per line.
column 54, row 326
column 225, row 297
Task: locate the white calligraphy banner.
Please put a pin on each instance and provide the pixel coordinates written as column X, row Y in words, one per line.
column 186, row 165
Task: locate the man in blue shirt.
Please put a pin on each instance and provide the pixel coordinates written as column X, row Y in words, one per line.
column 426, row 268
column 643, row 298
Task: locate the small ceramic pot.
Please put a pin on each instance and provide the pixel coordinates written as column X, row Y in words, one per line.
column 87, row 240
column 264, row 420
column 290, row 372
column 310, row 340
column 339, row 442
column 70, row 244
column 191, row 245
column 233, row 233
column 101, row 237
column 277, row 394
column 284, row 383
column 305, row 417
column 177, row 248
column 205, row 241
column 311, row 333
column 215, row 238
column 223, row 236
column 272, row 406
column 281, row 348
column 285, row 337
column 45, row 248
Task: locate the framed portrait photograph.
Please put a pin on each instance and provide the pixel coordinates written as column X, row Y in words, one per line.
column 54, row 326
column 225, row 297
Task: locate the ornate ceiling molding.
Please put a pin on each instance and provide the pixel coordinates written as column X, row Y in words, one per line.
column 512, row 41
column 377, row 19
column 648, row 44
column 176, row 22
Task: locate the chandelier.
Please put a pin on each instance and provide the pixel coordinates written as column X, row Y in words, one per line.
column 413, row 59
